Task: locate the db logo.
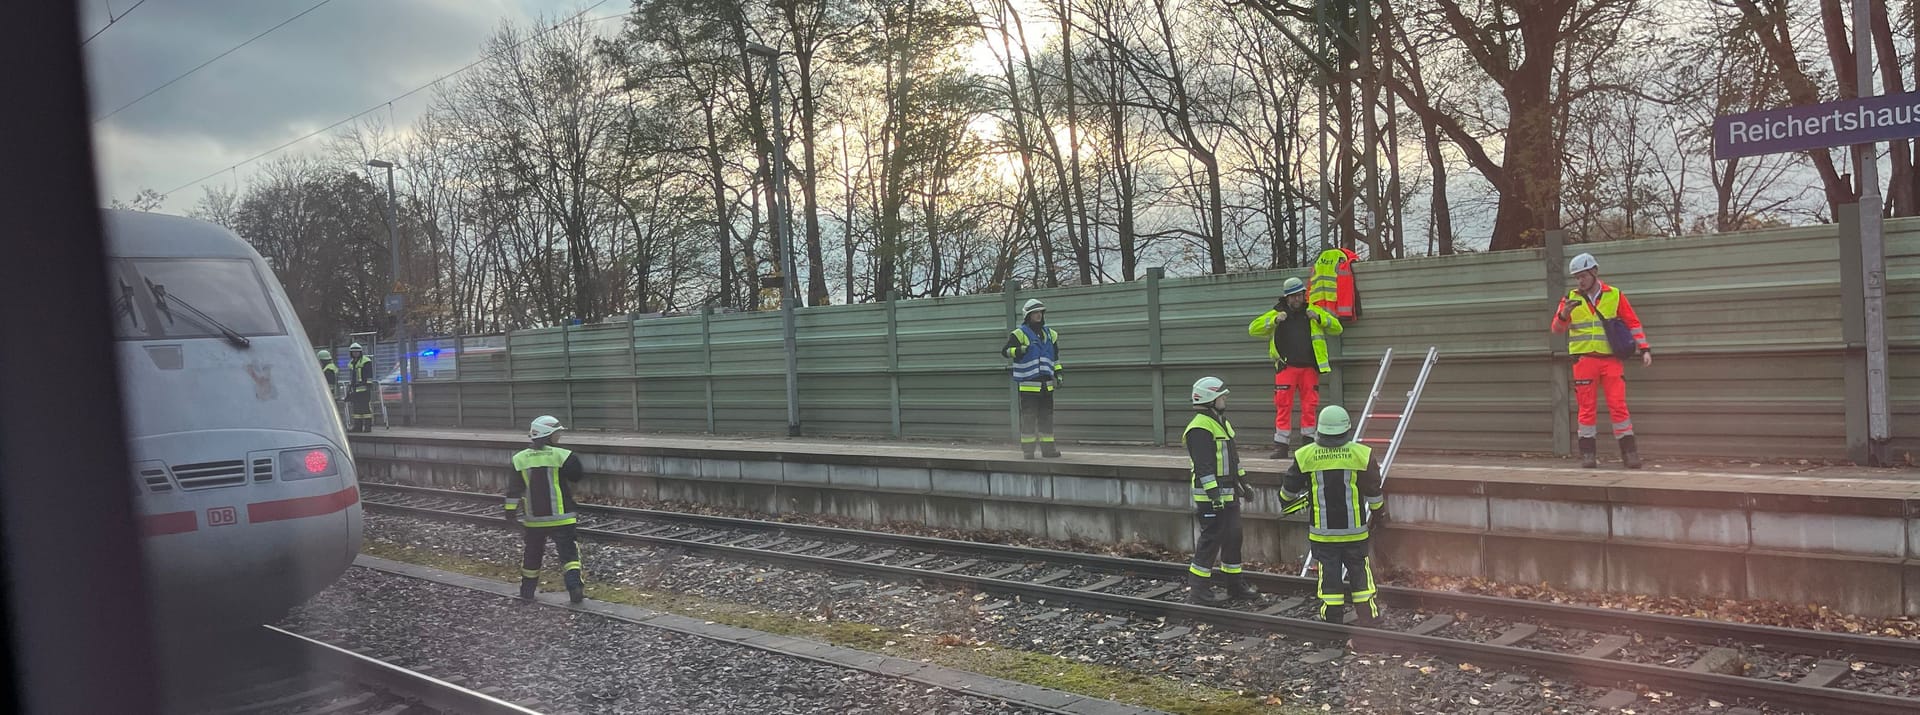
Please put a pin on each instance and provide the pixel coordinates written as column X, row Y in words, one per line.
column 222, row 516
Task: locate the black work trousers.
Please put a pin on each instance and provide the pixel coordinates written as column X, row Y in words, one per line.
column 1219, row 542
column 536, row 551
column 1346, row 578
column 1036, row 416
column 360, row 402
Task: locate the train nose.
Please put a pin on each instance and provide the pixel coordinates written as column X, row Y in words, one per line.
column 237, row 542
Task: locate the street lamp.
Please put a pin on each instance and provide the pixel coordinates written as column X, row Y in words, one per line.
column 395, row 302
column 783, row 232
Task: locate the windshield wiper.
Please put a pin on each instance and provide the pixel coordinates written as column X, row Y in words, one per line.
column 160, row 299
column 125, row 305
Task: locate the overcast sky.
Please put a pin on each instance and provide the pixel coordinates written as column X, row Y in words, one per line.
column 342, row 58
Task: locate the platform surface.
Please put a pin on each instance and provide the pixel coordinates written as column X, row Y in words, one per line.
column 1812, row 478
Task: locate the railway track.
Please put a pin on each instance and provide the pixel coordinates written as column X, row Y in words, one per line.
column 284, row 673
column 1813, row 671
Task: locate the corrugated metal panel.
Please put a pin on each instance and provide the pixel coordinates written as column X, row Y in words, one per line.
column 599, row 350
column 1746, row 328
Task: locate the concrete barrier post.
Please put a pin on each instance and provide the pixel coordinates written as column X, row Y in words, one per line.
column 893, row 361
column 706, row 359
column 1560, row 379
column 459, row 376
column 1158, row 392
column 1013, row 390
column 1853, row 334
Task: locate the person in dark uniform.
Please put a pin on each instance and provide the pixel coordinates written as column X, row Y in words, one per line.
column 1339, row 481
column 360, row 386
column 544, row 479
column 330, row 373
column 1037, row 371
column 1216, row 478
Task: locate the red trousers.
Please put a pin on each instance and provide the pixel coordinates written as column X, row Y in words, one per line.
column 1287, row 382
column 1592, row 373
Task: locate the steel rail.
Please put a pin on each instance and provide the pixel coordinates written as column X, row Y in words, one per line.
column 432, row 692
column 1885, row 650
column 1575, row 667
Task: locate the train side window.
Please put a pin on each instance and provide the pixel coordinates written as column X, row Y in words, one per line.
column 227, row 290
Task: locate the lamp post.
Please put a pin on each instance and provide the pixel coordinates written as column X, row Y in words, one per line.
column 783, row 232
column 395, row 301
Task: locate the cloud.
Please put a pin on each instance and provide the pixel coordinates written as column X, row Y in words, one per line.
column 337, row 60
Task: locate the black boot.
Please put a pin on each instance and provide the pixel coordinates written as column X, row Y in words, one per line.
column 1367, row 614
column 1239, row 590
column 527, row 588
column 1280, row 451
column 1588, row 457
column 1201, row 591
column 576, row 588
column 1629, row 452
column 1047, row 450
column 1027, row 448
column 1333, row 614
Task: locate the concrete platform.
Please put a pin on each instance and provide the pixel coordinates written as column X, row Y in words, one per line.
column 1846, row 537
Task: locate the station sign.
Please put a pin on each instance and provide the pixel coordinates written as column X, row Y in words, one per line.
column 1816, row 126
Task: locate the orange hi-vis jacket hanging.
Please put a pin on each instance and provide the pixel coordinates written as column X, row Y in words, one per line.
column 1332, row 287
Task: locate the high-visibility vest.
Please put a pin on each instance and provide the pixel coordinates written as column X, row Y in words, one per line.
column 1332, row 286
column 546, row 497
column 1586, row 335
column 1037, row 357
column 361, row 371
column 1266, row 326
column 1226, row 458
column 1340, row 511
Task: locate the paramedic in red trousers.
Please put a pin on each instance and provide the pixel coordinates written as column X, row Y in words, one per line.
column 1596, row 366
column 1297, row 342
column 1035, row 351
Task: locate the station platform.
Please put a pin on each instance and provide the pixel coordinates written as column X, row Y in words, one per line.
column 1810, row 532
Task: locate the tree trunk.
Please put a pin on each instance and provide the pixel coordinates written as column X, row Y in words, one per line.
column 1077, row 211
column 803, row 49
column 723, row 223
column 1900, row 194
column 1528, row 202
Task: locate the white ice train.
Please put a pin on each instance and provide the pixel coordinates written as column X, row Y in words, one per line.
column 243, row 482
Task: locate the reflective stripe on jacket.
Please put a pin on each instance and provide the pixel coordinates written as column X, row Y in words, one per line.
column 548, row 498
column 1344, row 487
column 1214, row 456
column 1035, row 355
column 1321, row 325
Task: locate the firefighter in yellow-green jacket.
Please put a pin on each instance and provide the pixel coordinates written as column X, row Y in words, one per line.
column 541, row 493
column 1034, row 349
column 1296, row 334
column 1219, row 485
column 1339, row 481
column 360, row 386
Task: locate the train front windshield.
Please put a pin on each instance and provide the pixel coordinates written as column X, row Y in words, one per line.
column 182, row 298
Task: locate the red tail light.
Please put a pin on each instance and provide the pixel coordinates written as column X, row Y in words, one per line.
column 317, row 461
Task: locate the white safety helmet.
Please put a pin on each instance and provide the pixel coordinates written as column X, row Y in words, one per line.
column 1208, row 389
column 355, row 348
column 1292, row 286
column 1033, row 304
column 544, row 426
column 1334, row 421
column 1582, row 263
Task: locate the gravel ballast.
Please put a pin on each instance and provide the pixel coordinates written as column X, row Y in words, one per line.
column 577, row 662
column 1258, row 664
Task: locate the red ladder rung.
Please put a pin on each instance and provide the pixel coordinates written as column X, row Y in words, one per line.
column 1388, row 415
column 1376, row 440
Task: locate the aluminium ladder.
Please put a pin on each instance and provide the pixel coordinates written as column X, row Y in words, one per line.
column 1402, row 418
